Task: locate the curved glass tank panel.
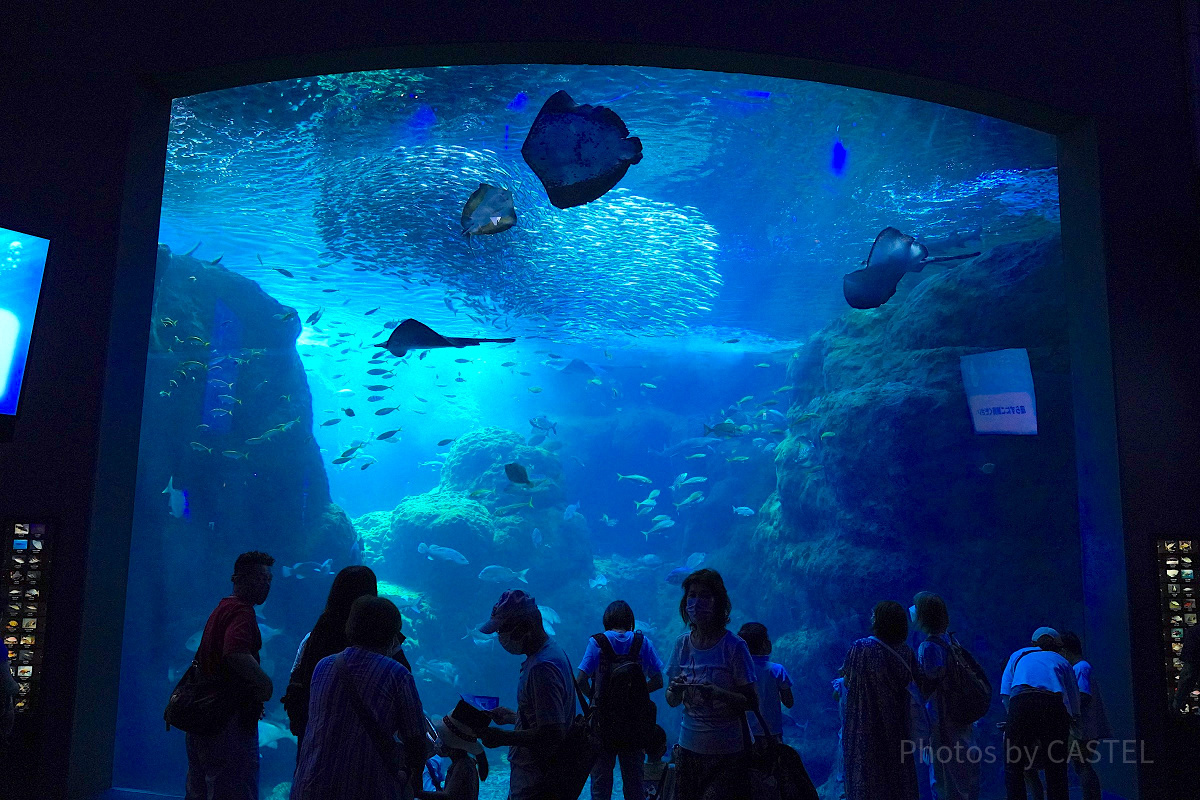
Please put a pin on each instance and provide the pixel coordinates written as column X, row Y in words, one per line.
column 688, row 386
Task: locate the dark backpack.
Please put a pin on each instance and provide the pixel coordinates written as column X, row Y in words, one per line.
column 966, row 687
column 623, row 713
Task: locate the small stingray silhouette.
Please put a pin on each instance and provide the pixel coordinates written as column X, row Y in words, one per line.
column 413, row 335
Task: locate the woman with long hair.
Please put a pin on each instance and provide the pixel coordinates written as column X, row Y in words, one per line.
column 712, row 674
column 328, row 636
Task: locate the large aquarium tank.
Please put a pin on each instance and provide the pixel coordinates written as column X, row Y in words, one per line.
column 675, row 371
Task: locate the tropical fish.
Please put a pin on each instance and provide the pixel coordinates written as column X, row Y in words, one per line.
column 694, row 497
column 201, row 448
column 743, row 511
column 378, row 387
column 498, row 574
column 176, row 499
column 433, row 551
column 695, row 560
column 738, row 459
column 343, row 459
column 535, row 389
column 828, row 435
column 385, row 411
column 578, row 152
column 236, row 454
column 269, row 734
column 648, row 386
column 315, row 317
column 517, row 474
column 609, row 521
column 638, row 478
column 542, row 423
column 329, row 422
column 661, row 525
column 444, row 442
column 413, row 335
column 893, row 254
column 303, row 568
column 763, row 366
column 595, row 582
column 694, row 479
column 571, row 511
column 514, row 507
column 388, row 434
column 696, row 455
column 536, row 537
column 550, row 615
column 349, row 412
column 378, row 371
column 488, row 210
column 726, row 430
column 509, row 364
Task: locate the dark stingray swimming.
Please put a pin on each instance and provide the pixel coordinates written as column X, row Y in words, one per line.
column 578, row 152
column 413, row 335
column 892, row 255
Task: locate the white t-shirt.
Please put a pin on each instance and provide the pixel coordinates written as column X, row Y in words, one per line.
column 1044, row 669
column 711, row 727
column 769, row 676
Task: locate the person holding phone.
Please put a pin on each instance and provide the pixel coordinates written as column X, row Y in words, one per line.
column 711, row 673
column 545, row 699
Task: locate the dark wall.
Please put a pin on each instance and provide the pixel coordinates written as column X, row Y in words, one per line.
column 83, row 94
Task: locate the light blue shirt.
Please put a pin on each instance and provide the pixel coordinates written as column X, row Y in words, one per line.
column 769, row 676
column 712, row 726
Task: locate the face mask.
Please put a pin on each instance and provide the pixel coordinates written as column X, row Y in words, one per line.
column 700, row 609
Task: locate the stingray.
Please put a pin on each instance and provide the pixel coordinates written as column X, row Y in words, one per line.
column 578, row 152
column 489, row 210
column 892, row 255
column 413, row 335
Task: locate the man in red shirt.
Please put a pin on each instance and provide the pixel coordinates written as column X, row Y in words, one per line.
column 224, row 766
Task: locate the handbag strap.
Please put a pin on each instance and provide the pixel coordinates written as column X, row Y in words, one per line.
column 385, row 745
column 892, row 650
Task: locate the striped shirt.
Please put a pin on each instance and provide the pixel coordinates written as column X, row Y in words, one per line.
column 339, row 760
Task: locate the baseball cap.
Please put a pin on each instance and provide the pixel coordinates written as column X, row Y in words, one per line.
column 513, row 606
column 1044, row 631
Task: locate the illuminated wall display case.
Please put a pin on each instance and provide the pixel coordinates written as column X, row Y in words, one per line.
column 26, row 552
column 1176, row 573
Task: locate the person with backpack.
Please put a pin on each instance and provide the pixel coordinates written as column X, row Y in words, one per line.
column 711, row 673
column 954, row 775
column 619, row 671
column 327, row 637
column 224, row 764
column 772, row 682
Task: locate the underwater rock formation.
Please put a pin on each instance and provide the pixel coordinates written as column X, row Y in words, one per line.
column 884, row 489
column 226, row 423
column 226, row 388
column 478, row 512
